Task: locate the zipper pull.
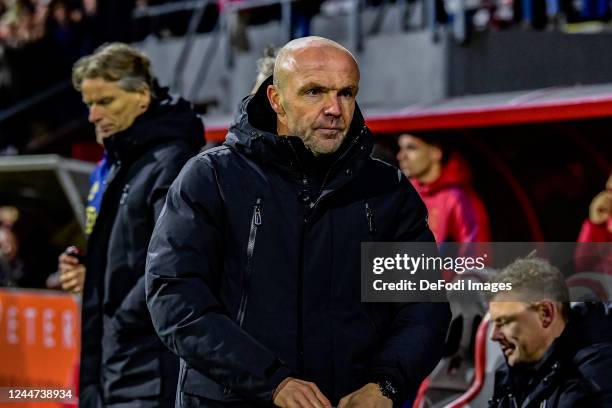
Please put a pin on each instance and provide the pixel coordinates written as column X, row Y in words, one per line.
column 124, row 195
column 513, row 400
column 370, row 216
column 257, row 215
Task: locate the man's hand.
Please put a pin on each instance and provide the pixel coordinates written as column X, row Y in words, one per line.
column 72, row 273
column 601, row 208
column 294, row 393
column 368, row 396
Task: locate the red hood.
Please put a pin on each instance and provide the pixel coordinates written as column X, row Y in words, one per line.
column 456, row 172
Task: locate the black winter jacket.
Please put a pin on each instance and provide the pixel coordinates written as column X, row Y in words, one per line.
column 253, row 273
column 122, row 358
column 574, row 372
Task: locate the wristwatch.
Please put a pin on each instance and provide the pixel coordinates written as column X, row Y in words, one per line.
column 389, row 390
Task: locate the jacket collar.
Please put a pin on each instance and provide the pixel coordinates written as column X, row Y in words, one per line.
column 167, row 119
column 253, row 133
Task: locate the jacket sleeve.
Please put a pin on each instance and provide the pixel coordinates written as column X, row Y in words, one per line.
column 184, row 264
column 468, row 219
column 418, row 331
column 592, row 251
column 593, row 232
column 594, row 364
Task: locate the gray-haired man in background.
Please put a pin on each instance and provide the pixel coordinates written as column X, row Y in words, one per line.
column 147, row 137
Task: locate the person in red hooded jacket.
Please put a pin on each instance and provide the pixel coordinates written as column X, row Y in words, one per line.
column 596, row 234
column 443, row 179
column 598, row 227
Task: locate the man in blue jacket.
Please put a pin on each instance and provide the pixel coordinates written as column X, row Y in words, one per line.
column 253, row 268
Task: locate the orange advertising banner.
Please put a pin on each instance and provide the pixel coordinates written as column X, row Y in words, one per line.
column 39, row 348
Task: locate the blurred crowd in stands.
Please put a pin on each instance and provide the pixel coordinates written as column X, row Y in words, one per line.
column 41, row 39
column 57, row 32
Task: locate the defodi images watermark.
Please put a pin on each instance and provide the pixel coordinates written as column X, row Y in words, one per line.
column 417, row 272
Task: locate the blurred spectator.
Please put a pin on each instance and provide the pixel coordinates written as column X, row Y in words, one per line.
column 88, row 28
column 594, row 253
column 22, row 22
column 533, row 12
column 595, row 10
column 8, row 216
column 555, row 356
column 598, row 227
column 265, row 67
column 11, row 266
column 65, row 29
column 237, row 22
column 114, row 20
column 24, row 250
column 302, row 12
column 443, row 179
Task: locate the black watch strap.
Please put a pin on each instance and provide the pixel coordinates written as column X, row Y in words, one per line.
column 389, row 390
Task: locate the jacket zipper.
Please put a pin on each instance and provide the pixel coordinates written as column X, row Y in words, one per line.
column 255, row 223
column 371, row 221
column 300, row 327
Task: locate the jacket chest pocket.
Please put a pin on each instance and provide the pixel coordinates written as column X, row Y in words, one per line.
column 359, row 222
column 370, row 216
